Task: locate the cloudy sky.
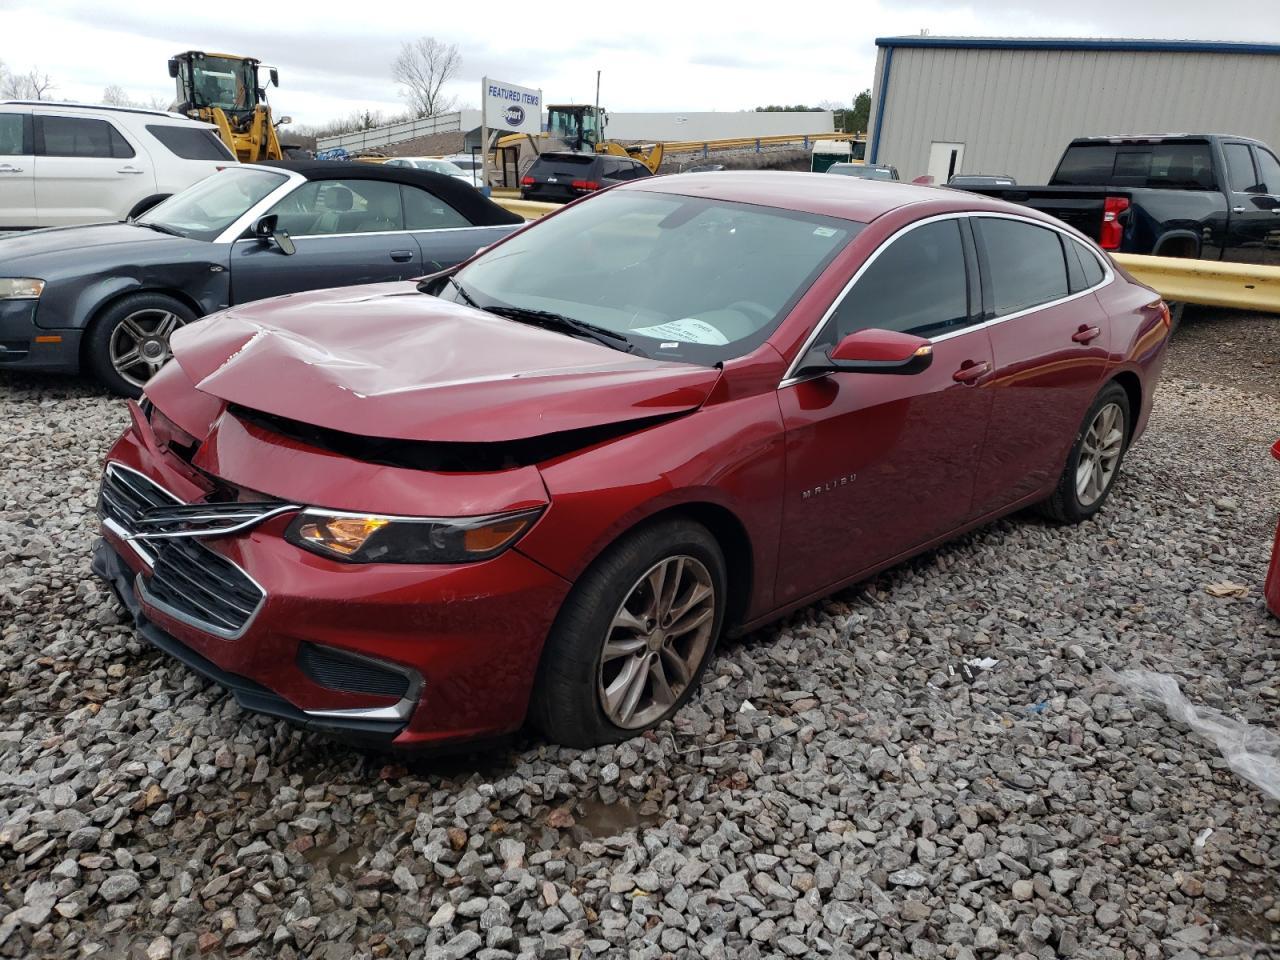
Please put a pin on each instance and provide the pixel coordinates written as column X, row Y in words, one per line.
column 686, row 55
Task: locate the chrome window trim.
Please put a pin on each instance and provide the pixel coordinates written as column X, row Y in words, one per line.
column 1108, row 275
column 392, row 233
column 293, row 180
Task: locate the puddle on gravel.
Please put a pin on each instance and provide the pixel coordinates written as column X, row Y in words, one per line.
column 333, row 861
column 597, row 820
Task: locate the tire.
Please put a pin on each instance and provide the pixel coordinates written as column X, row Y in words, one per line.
column 579, row 697
column 1176, row 309
column 1074, row 501
column 144, row 319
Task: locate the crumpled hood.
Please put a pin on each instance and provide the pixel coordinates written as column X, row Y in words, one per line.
column 387, row 361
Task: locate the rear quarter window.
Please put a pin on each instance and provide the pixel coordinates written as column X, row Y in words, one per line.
column 190, row 143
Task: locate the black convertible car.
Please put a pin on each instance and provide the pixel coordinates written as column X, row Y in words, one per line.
column 106, row 297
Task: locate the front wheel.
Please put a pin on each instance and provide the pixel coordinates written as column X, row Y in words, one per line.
column 128, row 342
column 1094, row 461
column 633, row 637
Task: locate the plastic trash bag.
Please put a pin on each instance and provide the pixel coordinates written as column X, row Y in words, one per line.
column 1252, row 752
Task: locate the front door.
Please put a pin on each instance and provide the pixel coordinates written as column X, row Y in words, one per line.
column 945, row 160
column 1050, row 339
column 879, row 464
column 1253, row 225
column 345, row 232
column 17, row 167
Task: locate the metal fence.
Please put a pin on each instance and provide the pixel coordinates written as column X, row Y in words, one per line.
column 1244, row 286
column 392, row 133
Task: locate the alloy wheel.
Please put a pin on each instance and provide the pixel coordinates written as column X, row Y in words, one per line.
column 1100, row 454
column 656, row 642
column 140, row 344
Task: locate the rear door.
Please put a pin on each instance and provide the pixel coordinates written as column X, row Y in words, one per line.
column 1050, row 340
column 185, row 154
column 443, row 235
column 87, row 170
column 345, row 232
column 1253, row 181
column 17, row 169
column 879, row 465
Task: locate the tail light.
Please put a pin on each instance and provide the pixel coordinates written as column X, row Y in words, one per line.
column 526, row 181
column 1112, row 228
column 585, row 185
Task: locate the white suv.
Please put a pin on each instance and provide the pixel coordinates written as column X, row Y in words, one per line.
column 64, row 163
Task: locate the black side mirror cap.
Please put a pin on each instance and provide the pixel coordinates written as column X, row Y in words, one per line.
column 267, row 230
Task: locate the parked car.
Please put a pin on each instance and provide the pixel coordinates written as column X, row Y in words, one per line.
column 547, row 484
column 435, row 165
column 470, row 164
column 64, row 163
column 560, row 177
column 981, row 180
column 107, row 297
column 1206, row 196
column 867, row 171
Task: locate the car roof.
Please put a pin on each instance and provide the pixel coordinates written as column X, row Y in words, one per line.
column 462, row 197
column 100, row 107
column 849, row 198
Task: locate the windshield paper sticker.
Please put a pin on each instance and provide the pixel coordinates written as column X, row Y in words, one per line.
column 686, row 330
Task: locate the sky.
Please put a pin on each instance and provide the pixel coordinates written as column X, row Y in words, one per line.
column 667, row 56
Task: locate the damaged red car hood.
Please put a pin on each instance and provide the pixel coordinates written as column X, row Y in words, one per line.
column 388, row 361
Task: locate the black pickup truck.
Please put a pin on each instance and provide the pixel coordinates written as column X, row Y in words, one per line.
column 1206, row 196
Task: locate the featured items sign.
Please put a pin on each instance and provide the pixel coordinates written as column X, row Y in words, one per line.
column 512, row 109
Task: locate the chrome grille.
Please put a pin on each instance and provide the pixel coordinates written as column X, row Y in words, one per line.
column 125, row 493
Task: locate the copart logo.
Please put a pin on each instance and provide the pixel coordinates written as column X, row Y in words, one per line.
column 514, row 115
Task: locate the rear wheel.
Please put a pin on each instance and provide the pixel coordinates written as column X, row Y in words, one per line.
column 1094, row 461
column 633, row 637
column 129, row 341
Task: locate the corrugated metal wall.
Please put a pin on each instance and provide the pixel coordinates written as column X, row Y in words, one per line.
column 1015, row 110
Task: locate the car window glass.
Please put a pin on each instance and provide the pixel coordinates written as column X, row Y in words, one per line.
column 190, row 143
column 1268, row 170
column 1075, row 270
column 81, row 137
column 205, row 210
column 1025, row 264
column 1185, row 165
column 1240, row 173
column 341, row 206
column 424, row 211
column 11, row 134
column 917, row 285
column 1093, row 272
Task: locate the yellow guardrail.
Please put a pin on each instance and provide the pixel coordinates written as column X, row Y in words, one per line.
column 529, row 209
column 1244, row 286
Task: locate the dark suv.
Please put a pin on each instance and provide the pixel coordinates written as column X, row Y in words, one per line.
column 561, row 177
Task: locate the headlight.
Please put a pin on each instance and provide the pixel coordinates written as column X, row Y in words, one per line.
column 360, row 538
column 21, row 288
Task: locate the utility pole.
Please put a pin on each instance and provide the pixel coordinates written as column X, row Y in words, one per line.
column 599, row 122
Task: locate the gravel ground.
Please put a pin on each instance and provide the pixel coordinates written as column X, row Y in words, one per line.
column 875, row 802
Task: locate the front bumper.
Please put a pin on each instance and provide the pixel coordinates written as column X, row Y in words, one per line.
column 468, row 636
column 26, row 346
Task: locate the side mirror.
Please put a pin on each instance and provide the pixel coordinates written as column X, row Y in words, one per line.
column 872, row 351
column 283, row 120
column 275, row 77
column 173, row 68
column 266, row 231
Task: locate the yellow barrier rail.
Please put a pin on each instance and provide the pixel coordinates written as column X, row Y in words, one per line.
column 529, row 209
column 1243, row 286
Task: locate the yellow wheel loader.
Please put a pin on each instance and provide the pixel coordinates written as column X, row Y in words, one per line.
column 580, row 128
column 229, row 92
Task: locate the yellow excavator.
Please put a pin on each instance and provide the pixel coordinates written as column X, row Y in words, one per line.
column 580, row 127
column 229, row 92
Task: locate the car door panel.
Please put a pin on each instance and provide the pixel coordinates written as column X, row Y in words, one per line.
column 442, row 249
column 17, row 169
column 1253, row 224
column 260, row 269
column 87, row 171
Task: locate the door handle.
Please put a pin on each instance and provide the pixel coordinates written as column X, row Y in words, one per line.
column 401, row 256
column 1237, row 209
column 1085, row 334
column 971, row 371
column 7, row 168
column 128, row 170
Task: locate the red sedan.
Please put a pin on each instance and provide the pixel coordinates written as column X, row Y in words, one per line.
column 542, row 485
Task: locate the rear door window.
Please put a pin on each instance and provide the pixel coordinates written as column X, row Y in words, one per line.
column 190, row 143
column 425, row 211
column 1268, row 171
column 1024, row 263
column 918, row 284
column 14, row 135
column 1240, row 173
column 79, row 137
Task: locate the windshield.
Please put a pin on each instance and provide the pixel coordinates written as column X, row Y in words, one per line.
column 441, row 166
column 683, row 278
column 204, row 210
column 223, row 82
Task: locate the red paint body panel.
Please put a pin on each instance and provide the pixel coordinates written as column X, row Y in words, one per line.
column 1272, row 587
column 418, row 368
column 818, row 481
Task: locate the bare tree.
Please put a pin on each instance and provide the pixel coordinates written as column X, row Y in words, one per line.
column 422, row 69
column 32, row 85
column 114, row 96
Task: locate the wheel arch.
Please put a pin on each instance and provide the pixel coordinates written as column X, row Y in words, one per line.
column 1185, row 243
column 1132, row 386
column 115, row 296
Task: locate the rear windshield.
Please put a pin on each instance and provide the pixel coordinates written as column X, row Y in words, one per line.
column 190, row 143
column 575, row 164
column 1179, row 165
